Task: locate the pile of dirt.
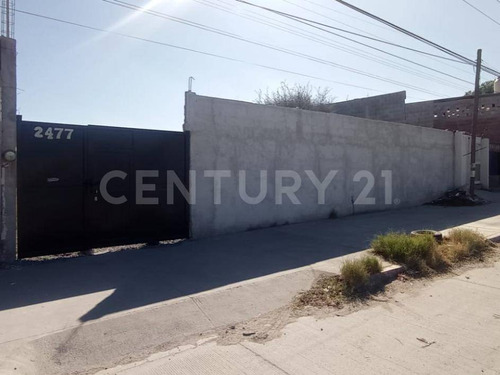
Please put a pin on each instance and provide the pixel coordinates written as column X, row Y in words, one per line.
column 457, row 198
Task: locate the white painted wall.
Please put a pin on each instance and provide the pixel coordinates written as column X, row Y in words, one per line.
column 462, row 160
column 230, row 135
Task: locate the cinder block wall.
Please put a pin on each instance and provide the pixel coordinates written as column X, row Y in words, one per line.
column 387, row 107
column 231, row 135
column 420, row 114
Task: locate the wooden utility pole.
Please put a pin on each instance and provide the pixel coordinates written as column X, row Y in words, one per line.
column 475, row 115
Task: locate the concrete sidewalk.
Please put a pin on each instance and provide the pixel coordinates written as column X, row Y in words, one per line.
column 56, row 316
column 451, row 326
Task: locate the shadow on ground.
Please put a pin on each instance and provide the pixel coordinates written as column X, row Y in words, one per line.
column 151, row 275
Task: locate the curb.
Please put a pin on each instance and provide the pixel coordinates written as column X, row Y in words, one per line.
column 388, row 274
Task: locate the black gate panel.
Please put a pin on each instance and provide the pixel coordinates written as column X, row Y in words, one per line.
column 61, row 206
column 50, row 188
column 128, row 151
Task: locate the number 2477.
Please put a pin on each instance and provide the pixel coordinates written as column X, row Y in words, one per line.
column 56, row 133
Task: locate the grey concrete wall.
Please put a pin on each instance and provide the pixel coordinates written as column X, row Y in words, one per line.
column 231, row 135
column 462, row 160
column 420, row 114
column 387, row 107
column 8, row 141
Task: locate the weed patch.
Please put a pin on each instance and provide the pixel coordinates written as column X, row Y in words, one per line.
column 422, row 253
column 463, row 244
column 371, row 264
column 353, row 282
column 354, row 275
column 415, row 252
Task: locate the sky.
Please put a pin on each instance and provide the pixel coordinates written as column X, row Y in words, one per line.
column 73, row 75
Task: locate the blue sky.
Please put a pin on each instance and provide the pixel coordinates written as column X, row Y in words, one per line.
column 72, row 75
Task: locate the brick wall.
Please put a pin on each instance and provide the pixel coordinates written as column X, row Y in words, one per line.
column 456, row 114
column 446, row 114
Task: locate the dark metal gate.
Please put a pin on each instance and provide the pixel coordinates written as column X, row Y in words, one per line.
column 61, row 207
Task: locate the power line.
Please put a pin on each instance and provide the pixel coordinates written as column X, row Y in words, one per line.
column 325, row 16
column 338, row 43
column 313, row 24
column 338, row 46
column 418, row 37
column 480, row 11
column 348, row 15
column 275, row 48
column 306, row 20
column 268, row 46
column 373, row 24
column 189, row 49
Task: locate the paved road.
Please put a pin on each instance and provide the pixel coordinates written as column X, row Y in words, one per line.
column 57, row 316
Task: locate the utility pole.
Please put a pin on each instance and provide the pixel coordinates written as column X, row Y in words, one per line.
column 475, row 115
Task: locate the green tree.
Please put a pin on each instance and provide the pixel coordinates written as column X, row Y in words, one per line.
column 297, row 96
column 485, row 88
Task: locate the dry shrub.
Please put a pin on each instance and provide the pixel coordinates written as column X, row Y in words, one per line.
column 356, row 273
column 462, row 244
column 297, row 96
column 422, row 253
column 334, row 290
column 415, row 252
column 371, row 264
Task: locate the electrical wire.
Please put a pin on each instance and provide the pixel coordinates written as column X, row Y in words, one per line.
column 349, row 15
column 336, row 45
column 418, row 37
column 327, row 17
column 292, row 16
column 373, row 24
column 189, row 49
column 268, row 46
column 313, row 24
column 480, row 11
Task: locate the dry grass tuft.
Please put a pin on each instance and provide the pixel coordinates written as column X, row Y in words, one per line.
column 372, row 264
column 354, row 274
column 422, row 253
column 417, row 253
column 463, row 244
column 333, row 291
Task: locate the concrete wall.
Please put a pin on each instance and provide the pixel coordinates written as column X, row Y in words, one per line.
column 420, row 114
column 387, row 107
column 8, row 141
column 231, row 135
column 462, row 160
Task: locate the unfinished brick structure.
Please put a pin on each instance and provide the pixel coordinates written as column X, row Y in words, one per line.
column 447, row 114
